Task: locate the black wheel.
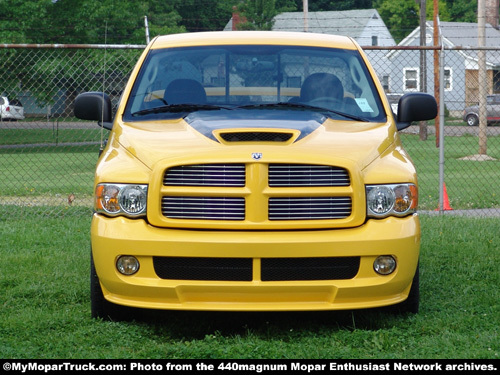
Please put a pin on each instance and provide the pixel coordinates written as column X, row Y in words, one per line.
column 472, row 120
column 100, row 308
column 412, row 303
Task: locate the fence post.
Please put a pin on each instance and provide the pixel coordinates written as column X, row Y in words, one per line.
column 441, row 127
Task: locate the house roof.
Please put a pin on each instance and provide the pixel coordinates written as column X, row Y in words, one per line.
column 458, row 34
column 348, row 23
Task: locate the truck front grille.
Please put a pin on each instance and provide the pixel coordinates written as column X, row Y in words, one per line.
column 222, row 175
column 203, row 208
column 295, row 175
column 313, row 208
column 241, row 269
column 222, row 192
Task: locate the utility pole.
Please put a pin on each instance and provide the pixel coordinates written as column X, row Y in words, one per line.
column 146, row 27
column 423, row 63
column 436, row 66
column 305, row 6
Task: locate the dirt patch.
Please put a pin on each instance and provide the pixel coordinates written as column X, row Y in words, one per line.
column 478, row 157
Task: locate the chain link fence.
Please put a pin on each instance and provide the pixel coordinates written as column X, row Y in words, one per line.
column 47, row 156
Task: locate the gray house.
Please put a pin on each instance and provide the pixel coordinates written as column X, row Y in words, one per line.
column 460, row 65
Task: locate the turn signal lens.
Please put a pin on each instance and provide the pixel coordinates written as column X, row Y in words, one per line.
column 107, row 198
column 406, row 198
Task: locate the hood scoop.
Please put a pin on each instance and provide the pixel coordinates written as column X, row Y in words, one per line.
column 256, row 136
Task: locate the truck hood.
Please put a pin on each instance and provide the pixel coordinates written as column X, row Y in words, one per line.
column 281, row 135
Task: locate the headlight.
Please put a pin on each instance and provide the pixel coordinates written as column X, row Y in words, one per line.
column 121, row 199
column 394, row 199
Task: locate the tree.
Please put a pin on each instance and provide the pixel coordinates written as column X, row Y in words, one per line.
column 463, row 10
column 204, row 15
column 402, row 16
column 85, row 22
column 326, row 5
column 259, row 14
column 17, row 18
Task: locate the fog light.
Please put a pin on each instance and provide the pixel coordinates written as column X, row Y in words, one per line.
column 127, row 265
column 384, row 265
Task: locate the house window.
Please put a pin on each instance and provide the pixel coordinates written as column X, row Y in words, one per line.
column 374, row 40
column 385, row 82
column 448, row 79
column 496, row 81
column 411, row 79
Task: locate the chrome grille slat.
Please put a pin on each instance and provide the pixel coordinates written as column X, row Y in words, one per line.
column 221, row 175
column 204, row 208
column 297, row 175
column 309, row 208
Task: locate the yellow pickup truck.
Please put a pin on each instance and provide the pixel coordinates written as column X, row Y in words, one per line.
column 254, row 171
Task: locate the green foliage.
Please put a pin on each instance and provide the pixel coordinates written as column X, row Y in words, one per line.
column 258, row 14
column 90, row 21
column 204, row 15
column 400, row 16
column 327, row 5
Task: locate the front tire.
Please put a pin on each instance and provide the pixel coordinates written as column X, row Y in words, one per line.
column 100, row 308
column 412, row 303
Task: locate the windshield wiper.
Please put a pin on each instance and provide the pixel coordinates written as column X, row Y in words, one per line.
column 306, row 106
column 175, row 108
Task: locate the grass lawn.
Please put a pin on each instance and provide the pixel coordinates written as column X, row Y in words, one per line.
column 46, row 309
column 49, row 136
column 43, row 174
column 469, row 184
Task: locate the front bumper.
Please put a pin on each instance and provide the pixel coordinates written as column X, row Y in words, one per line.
column 112, row 237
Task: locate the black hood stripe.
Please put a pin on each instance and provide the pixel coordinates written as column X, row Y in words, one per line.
column 205, row 122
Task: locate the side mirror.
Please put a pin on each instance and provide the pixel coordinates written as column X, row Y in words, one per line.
column 415, row 106
column 95, row 106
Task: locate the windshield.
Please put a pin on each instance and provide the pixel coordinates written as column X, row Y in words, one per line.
column 176, row 81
